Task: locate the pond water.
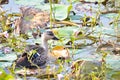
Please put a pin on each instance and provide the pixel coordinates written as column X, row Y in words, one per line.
column 87, row 53
column 11, row 7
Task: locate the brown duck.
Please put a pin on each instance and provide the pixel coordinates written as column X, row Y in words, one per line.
column 39, row 53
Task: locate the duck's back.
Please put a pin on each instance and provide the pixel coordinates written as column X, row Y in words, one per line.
column 33, row 60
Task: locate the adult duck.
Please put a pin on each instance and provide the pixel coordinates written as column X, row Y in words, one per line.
column 36, row 55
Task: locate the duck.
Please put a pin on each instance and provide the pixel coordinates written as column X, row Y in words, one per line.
column 36, row 55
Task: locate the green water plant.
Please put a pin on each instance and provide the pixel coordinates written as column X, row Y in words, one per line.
column 5, row 76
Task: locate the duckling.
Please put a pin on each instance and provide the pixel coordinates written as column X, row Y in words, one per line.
column 40, row 57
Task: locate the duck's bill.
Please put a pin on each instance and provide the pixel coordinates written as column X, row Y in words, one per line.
column 55, row 38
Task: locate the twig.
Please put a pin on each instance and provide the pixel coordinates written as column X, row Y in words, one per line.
column 112, row 11
column 64, row 22
column 4, row 61
column 113, row 35
column 114, row 21
column 68, row 23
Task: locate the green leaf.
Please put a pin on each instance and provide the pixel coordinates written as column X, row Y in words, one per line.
column 5, row 76
column 116, row 76
column 61, row 11
column 7, row 59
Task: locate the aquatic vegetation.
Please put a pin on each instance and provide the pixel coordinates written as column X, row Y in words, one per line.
column 88, row 47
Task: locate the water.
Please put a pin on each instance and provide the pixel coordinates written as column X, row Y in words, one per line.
column 11, row 7
column 87, row 53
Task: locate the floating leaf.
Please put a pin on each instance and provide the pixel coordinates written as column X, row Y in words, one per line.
column 116, row 76
column 58, row 48
column 6, row 59
column 60, row 51
column 61, row 11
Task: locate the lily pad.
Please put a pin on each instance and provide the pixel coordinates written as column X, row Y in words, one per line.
column 61, row 11
column 60, row 51
column 116, row 76
column 111, row 15
column 7, row 59
column 28, row 2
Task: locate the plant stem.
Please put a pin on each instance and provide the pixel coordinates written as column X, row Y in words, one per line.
column 51, row 12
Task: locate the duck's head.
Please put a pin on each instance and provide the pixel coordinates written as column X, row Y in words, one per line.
column 47, row 35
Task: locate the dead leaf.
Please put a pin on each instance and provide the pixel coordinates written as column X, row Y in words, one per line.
column 60, row 51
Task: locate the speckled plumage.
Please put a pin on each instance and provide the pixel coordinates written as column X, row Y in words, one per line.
column 36, row 55
column 39, row 60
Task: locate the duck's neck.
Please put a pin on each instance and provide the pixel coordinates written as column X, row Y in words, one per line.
column 44, row 44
